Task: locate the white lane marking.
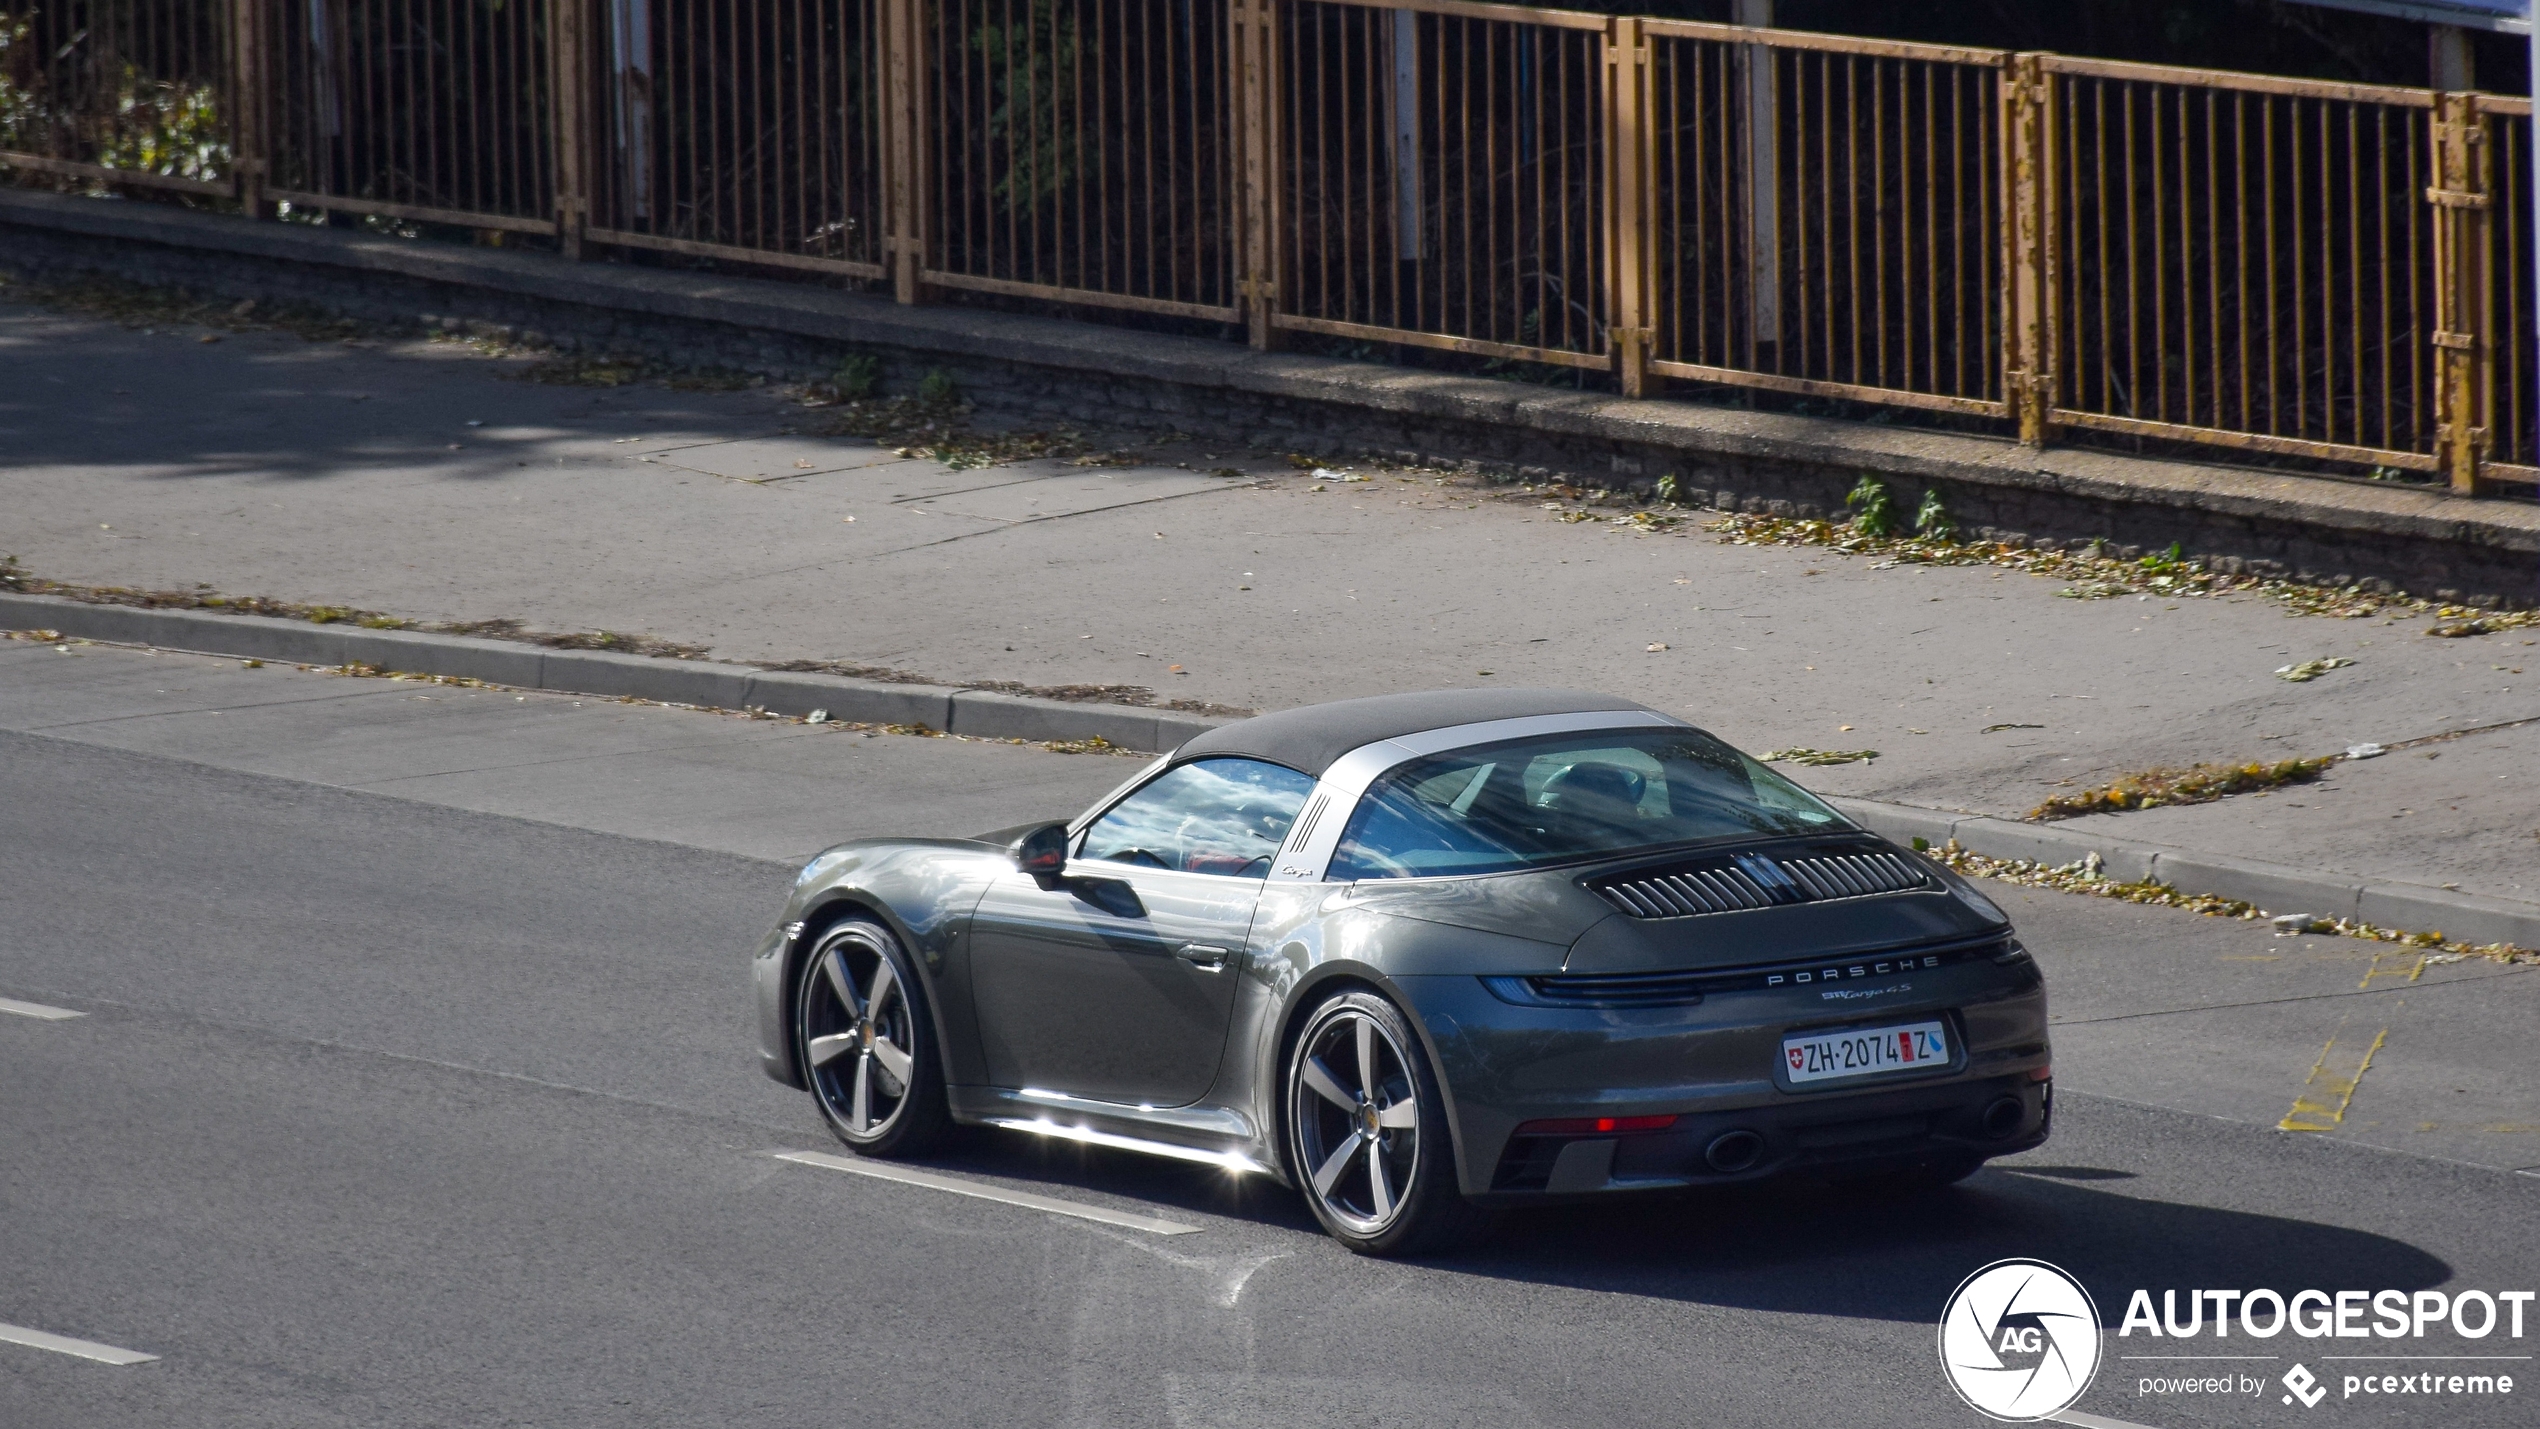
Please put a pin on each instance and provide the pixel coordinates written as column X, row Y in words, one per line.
column 37, row 1009
column 65, row 1345
column 884, row 1171
column 2091, row 1421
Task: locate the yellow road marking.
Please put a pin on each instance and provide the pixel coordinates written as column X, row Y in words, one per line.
column 2393, row 962
column 2325, row 1095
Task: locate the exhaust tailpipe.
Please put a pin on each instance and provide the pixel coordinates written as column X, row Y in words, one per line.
column 2003, row 1117
column 1734, row 1151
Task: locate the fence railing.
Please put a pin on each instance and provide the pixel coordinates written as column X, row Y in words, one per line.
column 2333, row 272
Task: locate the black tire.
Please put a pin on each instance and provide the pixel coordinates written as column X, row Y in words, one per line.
column 1382, row 1183
column 865, row 1042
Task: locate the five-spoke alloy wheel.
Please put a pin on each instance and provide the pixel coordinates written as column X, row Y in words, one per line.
column 1367, row 1130
column 860, row 1030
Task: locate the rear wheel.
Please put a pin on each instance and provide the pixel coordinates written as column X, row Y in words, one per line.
column 861, row 1037
column 1367, row 1132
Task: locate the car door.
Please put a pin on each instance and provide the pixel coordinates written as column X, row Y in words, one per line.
column 1115, row 980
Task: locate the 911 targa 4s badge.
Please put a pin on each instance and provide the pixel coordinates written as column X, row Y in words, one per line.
column 1419, row 957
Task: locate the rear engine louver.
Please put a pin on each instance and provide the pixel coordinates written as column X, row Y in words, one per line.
column 1752, row 880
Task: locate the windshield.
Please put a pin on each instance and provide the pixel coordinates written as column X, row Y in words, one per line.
column 1515, row 804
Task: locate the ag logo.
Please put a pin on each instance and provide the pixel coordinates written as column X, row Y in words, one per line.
column 2020, row 1340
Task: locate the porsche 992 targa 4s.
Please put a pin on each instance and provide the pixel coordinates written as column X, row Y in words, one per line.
column 1419, row 956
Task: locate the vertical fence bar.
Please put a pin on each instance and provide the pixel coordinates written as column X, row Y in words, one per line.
column 248, row 105
column 570, row 125
column 1630, row 213
column 1252, row 33
column 905, row 150
column 2028, row 245
column 2459, row 197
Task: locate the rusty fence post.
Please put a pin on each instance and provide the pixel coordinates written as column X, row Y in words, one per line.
column 249, row 162
column 905, row 151
column 2459, row 196
column 1252, row 33
column 2029, row 266
column 569, row 61
column 1628, row 211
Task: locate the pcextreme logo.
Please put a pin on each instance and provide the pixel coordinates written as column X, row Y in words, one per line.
column 2019, row 1340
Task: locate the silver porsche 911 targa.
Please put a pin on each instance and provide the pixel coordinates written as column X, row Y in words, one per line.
column 1419, row 956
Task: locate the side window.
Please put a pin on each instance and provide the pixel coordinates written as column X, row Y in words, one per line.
column 1221, row 816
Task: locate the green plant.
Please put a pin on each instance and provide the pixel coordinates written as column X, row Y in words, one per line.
column 1667, row 488
column 2166, row 562
column 1932, row 518
column 858, row 376
column 1033, row 65
column 1871, row 504
column 937, row 388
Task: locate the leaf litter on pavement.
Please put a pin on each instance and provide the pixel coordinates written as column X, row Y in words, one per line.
column 2084, row 876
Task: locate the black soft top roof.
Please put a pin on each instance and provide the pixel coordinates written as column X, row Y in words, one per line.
column 1308, row 739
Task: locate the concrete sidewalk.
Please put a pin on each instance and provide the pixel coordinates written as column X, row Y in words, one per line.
column 414, row 479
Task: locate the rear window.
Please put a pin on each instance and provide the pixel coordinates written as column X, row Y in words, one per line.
column 1515, row 804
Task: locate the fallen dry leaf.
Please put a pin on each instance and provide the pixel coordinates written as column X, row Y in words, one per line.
column 2309, row 670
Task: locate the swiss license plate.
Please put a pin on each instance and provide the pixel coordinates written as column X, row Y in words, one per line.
column 1865, row 1052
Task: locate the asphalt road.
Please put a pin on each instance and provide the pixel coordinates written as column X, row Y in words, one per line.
column 385, row 1111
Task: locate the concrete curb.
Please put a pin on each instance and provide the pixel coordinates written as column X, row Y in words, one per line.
column 2274, row 887
column 990, row 714
column 984, row 714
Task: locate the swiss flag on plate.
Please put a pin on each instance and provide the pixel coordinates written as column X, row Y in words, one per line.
column 1798, row 1059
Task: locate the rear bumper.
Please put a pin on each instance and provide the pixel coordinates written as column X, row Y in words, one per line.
column 1712, row 1067
column 1860, row 1130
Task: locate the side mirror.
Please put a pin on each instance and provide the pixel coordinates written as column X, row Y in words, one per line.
column 1042, row 853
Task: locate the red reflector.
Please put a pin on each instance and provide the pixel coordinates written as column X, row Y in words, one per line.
column 1594, row 1125
column 2042, row 1074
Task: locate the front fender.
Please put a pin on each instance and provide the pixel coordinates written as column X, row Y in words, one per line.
column 924, row 892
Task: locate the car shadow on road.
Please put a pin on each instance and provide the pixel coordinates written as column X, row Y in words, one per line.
column 1799, row 1248
column 1859, row 1253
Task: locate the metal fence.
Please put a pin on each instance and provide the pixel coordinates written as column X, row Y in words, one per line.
column 1828, row 216
column 1081, row 150
column 2321, row 271
column 742, row 129
column 1443, row 179
column 136, row 92
column 438, row 110
column 2251, row 259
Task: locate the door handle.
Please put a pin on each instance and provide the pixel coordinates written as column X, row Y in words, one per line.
column 1206, row 958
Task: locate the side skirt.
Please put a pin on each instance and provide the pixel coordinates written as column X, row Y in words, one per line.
column 1215, row 1136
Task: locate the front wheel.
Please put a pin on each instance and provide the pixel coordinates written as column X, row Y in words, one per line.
column 861, row 1036
column 1367, row 1132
